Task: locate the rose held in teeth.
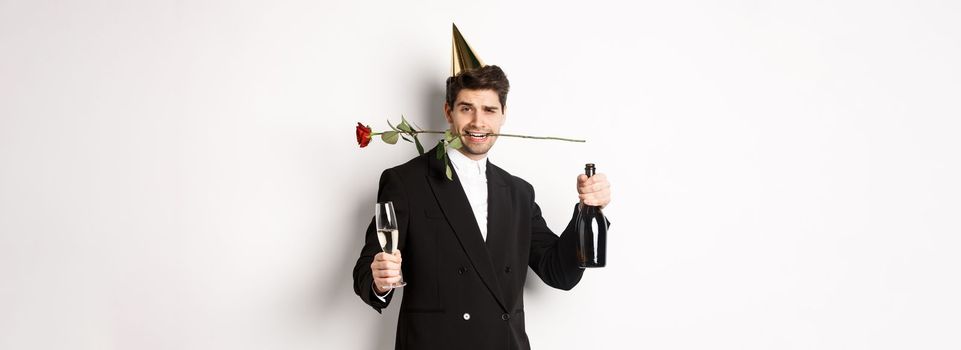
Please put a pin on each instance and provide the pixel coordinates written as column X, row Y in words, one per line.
column 475, row 115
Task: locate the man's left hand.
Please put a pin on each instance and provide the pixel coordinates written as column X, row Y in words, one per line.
column 594, row 190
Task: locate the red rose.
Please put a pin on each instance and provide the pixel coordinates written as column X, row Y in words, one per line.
column 363, row 135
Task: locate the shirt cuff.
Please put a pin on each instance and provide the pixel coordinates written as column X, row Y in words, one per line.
column 382, row 298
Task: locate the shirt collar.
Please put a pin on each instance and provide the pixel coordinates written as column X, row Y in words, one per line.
column 466, row 166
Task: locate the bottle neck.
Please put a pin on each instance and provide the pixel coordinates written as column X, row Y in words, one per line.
column 589, row 171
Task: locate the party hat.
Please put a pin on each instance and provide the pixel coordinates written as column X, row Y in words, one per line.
column 462, row 56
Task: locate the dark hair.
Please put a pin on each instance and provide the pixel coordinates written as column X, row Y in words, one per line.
column 483, row 78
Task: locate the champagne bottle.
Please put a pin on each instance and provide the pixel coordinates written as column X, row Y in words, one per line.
column 591, row 232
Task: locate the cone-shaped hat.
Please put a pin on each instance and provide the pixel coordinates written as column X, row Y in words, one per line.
column 462, row 56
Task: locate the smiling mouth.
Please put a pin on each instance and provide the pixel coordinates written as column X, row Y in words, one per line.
column 476, row 135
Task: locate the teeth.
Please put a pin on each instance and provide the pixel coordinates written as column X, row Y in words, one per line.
column 476, row 134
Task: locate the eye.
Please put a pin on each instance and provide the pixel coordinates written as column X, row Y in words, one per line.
column 465, row 109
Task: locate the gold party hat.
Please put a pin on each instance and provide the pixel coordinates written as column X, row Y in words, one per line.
column 462, row 56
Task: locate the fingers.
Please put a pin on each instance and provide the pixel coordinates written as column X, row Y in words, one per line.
column 386, row 273
column 596, row 178
column 386, row 269
column 385, row 264
column 384, row 284
column 594, row 190
column 594, row 183
column 388, row 257
column 581, row 179
column 600, row 198
column 599, row 177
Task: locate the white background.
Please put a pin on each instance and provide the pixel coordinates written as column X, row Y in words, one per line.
column 184, row 174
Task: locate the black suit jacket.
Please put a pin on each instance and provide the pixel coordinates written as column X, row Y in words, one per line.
column 463, row 292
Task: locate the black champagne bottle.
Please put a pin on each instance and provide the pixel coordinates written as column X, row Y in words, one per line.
column 591, row 233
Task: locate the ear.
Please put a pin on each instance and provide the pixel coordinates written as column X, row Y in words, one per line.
column 447, row 111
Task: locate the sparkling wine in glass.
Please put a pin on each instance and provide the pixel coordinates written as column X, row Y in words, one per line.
column 388, row 232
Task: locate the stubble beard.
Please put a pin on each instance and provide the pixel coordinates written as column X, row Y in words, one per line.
column 478, row 150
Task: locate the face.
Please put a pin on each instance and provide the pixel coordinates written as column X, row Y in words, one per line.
column 475, row 114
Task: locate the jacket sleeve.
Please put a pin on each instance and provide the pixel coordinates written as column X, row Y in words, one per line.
column 553, row 258
column 390, row 190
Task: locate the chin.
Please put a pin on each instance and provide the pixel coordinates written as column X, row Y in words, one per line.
column 475, row 150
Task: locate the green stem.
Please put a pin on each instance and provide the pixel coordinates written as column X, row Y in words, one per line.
column 541, row 137
column 507, row 135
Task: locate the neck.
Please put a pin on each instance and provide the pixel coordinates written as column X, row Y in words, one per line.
column 474, row 157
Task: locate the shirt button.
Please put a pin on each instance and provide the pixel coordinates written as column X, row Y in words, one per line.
column 466, row 316
column 461, row 270
column 505, row 317
column 507, row 269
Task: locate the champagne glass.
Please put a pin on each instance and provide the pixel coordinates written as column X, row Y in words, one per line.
column 388, row 232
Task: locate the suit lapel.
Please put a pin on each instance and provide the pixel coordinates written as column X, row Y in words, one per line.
column 499, row 214
column 453, row 202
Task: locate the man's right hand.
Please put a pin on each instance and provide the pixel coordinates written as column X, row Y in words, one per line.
column 386, row 271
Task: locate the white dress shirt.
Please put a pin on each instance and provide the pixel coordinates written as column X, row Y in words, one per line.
column 473, row 177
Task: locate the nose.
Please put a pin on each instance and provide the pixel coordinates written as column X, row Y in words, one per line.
column 475, row 120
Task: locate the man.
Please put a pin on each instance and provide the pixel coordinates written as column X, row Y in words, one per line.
column 466, row 243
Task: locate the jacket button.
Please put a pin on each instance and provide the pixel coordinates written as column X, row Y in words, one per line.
column 461, row 270
column 505, row 317
column 466, row 316
column 507, row 269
